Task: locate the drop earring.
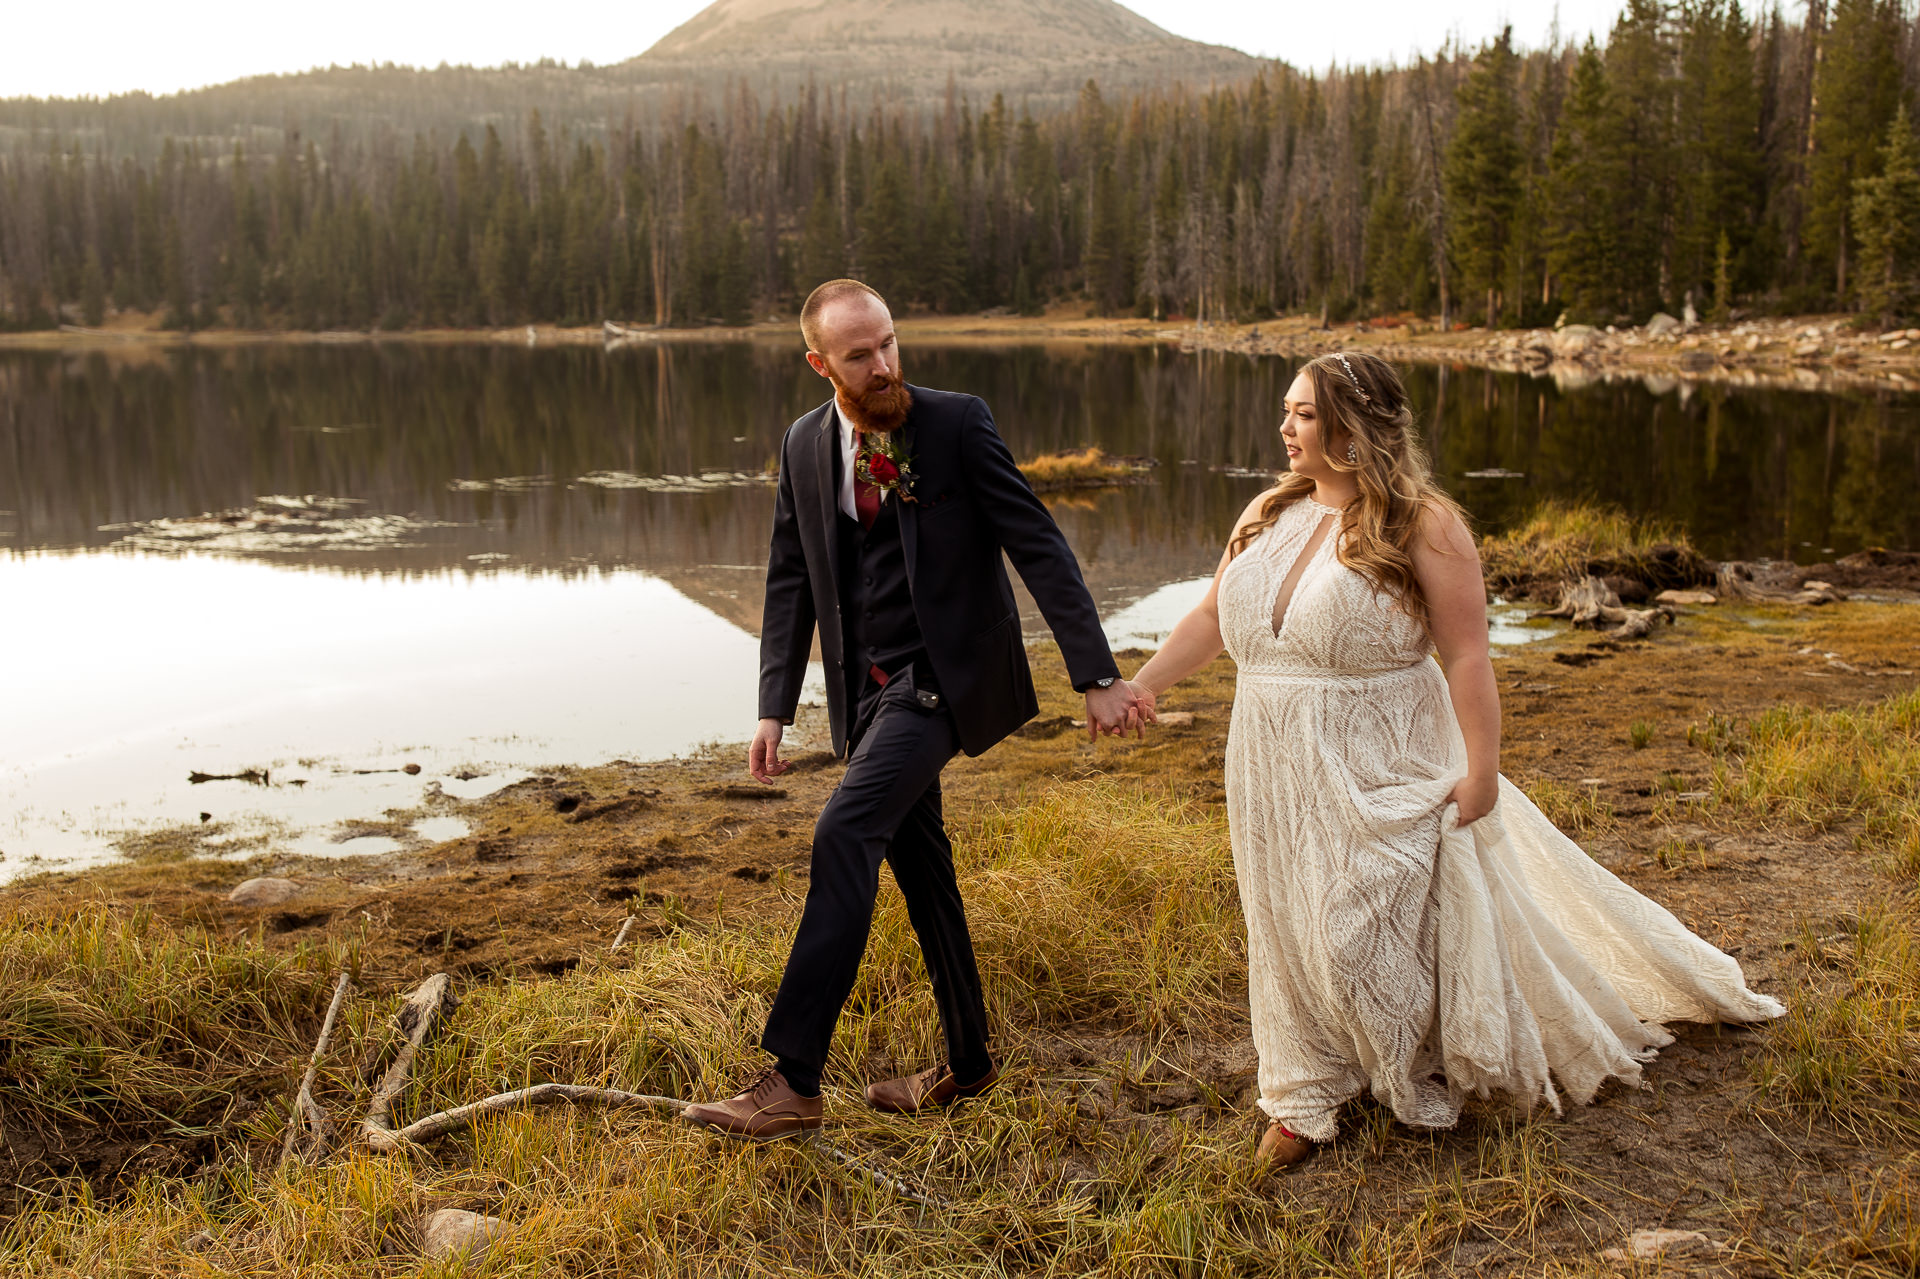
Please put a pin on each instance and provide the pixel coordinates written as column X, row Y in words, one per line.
column 1353, row 455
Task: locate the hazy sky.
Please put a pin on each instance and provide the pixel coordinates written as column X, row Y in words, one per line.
column 111, row 46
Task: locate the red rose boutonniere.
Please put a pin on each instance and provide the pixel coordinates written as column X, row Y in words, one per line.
column 882, row 463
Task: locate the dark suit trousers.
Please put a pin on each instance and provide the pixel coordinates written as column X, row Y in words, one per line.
column 886, row 807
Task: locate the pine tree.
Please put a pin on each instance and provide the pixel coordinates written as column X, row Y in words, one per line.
column 1856, row 92
column 1483, row 172
column 941, row 279
column 1722, row 281
column 736, row 278
column 1637, row 136
column 823, row 246
column 93, row 290
column 886, row 235
column 1582, row 174
column 1886, row 216
column 1718, row 143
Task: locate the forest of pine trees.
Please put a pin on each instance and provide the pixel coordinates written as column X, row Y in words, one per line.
column 1700, row 155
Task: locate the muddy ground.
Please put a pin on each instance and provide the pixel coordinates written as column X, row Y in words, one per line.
column 554, row 865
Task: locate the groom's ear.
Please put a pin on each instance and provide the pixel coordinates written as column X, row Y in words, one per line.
column 819, row 363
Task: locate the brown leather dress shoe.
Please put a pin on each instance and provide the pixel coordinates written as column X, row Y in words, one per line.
column 768, row 1110
column 1281, row 1149
column 931, row 1089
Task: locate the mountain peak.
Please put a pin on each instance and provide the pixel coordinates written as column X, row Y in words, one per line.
column 782, row 28
column 1039, row 50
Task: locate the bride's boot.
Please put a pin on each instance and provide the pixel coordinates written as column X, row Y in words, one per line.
column 1280, row 1148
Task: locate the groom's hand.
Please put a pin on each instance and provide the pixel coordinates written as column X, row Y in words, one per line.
column 763, row 757
column 1113, row 710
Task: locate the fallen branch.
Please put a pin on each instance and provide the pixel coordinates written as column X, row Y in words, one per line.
column 621, row 939
column 307, row 1116
column 446, row 1121
column 421, row 1012
column 431, row 1002
column 459, row 1117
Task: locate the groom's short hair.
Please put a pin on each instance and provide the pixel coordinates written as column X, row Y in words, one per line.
column 823, row 297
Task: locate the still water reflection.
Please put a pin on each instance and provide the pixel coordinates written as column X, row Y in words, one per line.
column 484, row 559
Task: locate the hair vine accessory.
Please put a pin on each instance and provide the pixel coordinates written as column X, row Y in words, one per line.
column 1364, row 397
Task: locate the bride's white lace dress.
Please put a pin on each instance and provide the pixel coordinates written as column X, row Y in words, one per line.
column 1388, row 947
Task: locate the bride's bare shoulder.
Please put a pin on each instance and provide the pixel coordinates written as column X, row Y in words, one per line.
column 1443, row 529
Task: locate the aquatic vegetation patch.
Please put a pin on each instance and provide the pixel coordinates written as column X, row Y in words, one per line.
column 1087, row 468
column 277, row 525
column 701, row 483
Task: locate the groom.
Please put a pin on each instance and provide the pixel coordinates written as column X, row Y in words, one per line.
column 894, row 505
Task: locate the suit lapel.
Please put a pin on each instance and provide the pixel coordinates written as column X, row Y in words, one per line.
column 908, row 513
column 826, row 448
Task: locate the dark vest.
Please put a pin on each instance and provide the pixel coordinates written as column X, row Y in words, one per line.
column 881, row 629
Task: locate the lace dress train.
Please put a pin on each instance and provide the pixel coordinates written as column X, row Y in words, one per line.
column 1388, row 947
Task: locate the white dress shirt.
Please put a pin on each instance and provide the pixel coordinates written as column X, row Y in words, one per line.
column 846, row 462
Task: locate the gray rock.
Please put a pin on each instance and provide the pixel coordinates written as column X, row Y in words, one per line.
column 1661, row 324
column 1575, row 340
column 268, row 890
column 454, row 1232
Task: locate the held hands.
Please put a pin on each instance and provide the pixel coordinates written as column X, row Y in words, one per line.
column 1120, row 709
column 763, row 757
column 1475, row 796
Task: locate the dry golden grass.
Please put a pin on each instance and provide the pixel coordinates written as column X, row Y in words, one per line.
column 1562, row 542
column 1576, row 809
column 1077, row 469
column 104, row 1015
column 1858, row 767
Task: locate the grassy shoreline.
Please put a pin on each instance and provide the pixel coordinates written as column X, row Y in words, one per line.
column 1102, row 899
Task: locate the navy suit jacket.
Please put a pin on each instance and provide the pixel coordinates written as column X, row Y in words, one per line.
column 969, row 504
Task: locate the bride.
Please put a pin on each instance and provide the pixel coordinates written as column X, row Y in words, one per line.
column 1415, row 926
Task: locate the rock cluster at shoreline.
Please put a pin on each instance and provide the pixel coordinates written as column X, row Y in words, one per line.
column 1801, row 352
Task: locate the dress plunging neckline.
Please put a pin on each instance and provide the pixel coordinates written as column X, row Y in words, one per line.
column 1296, row 574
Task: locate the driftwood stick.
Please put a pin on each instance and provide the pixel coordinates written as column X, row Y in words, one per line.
column 446, row 1121
column 307, row 1116
column 621, row 939
column 421, row 1013
column 885, row 1181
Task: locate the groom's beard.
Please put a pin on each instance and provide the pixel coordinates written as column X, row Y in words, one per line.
column 881, row 407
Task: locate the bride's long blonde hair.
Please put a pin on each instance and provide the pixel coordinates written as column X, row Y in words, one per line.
column 1396, row 486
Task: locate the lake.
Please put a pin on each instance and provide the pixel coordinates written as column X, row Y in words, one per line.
column 297, row 570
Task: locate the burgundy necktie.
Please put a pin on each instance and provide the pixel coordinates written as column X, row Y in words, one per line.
column 866, row 495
